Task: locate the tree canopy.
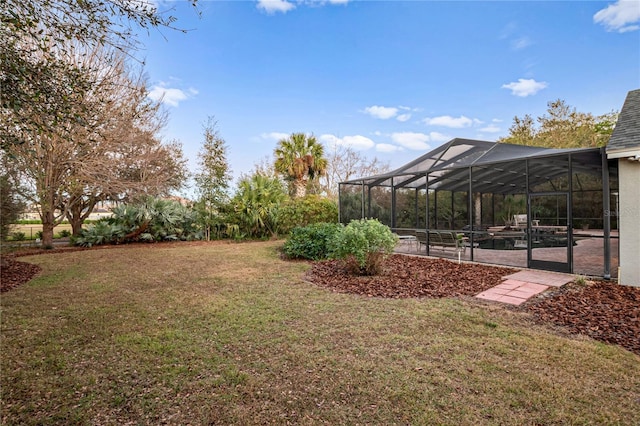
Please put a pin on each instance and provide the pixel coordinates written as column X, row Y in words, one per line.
column 562, row 127
column 300, row 158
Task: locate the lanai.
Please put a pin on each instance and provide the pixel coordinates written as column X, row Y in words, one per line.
column 479, row 189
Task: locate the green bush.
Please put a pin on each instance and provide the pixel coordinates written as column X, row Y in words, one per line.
column 305, row 211
column 18, row 236
column 311, row 241
column 364, row 245
column 39, row 235
column 102, row 232
column 150, row 220
column 65, row 233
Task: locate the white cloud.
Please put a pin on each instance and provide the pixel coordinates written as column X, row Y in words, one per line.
column 381, row 112
column 403, row 117
column 170, row 96
column 439, row 137
column 622, row 16
column 356, row 142
column 491, row 128
column 283, row 6
column 411, row 140
column 508, row 30
column 448, row 121
column 331, row 140
column 525, row 87
column 276, row 136
column 385, row 147
column 274, row 6
column 520, row 43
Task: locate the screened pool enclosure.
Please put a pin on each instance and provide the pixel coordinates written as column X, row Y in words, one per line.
column 552, row 209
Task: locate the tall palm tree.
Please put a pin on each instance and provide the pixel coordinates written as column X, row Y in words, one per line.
column 300, row 158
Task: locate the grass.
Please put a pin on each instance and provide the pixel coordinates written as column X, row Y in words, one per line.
column 230, row 334
column 30, row 231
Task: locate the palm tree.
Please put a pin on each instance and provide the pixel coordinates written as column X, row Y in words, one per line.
column 300, row 158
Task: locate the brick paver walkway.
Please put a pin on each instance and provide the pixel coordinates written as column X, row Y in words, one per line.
column 519, row 287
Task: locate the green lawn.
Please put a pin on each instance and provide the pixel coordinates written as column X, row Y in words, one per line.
column 230, row 334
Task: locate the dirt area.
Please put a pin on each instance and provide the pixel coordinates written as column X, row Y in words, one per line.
column 602, row 310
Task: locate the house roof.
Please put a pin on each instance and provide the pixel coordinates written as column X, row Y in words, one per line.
column 626, row 135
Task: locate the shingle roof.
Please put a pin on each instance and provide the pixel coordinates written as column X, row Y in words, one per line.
column 626, row 135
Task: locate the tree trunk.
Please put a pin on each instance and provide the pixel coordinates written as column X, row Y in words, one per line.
column 300, row 188
column 47, row 229
column 477, row 201
column 75, row 219
column 76, row 226
column 48, row 217
column 78, row 211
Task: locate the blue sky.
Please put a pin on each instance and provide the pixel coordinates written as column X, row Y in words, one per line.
column 391, row 79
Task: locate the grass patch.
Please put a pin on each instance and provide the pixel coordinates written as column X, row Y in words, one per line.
column 230, row 334
column 30, row 231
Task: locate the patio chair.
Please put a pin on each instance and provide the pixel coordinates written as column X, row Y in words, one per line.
column 435, row 239
column 450, row 239
column 421, row 237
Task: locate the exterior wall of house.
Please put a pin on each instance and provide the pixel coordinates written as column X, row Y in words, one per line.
column 629, row 222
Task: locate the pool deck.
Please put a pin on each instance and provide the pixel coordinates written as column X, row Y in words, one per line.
column 588, row 255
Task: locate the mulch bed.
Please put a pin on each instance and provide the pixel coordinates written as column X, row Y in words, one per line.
column 605, row 311
column 15, row 273
column 407, row 276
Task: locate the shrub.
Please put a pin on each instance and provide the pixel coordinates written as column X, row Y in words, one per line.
column 305, row 211
column 39, row 235
column 364, row 245
column 311, row 242
column 102, row 232
column 18, row 236
column 65, row 233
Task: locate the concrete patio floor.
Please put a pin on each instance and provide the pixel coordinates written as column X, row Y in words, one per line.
column 588, row 255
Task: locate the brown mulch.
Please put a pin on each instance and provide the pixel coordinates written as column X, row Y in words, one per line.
column 605, row 311
column 407, row 276
column 14, row 273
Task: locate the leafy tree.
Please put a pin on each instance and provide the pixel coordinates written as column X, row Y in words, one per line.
column 38, row 90
column 300, row 158
column 11, row 203
column 562, row 127
column 212, row 179
column 128, row 159
column 110, row 151
column 256, row 204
